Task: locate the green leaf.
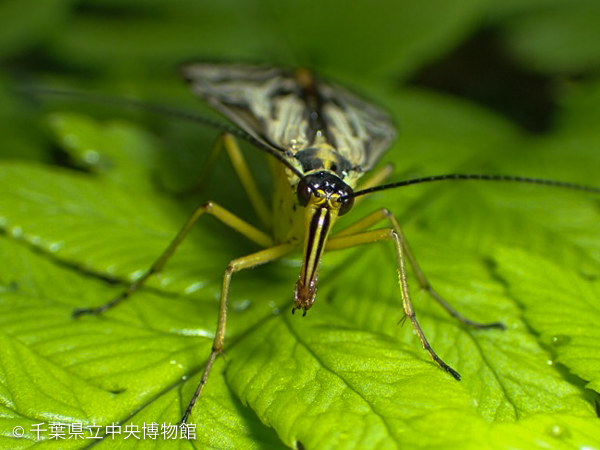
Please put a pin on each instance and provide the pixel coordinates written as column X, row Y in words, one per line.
column 347, row 376
column 568, row 328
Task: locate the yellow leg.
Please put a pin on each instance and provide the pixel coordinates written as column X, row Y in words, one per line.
column 228, row 142
column 234, row 266
column 208, row 167
column 384, row 214
column 211, row 208
column 367, row 237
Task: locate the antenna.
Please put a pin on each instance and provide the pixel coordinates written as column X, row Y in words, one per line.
column 480, row 177
column 159, row 109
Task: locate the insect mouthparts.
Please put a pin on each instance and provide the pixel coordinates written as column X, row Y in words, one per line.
column 304, row 295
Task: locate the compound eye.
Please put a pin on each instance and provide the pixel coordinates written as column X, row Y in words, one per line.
column 346, row 200
column 304, row 192
column 347, row 204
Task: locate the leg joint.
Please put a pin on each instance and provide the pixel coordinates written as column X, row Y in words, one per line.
column 230, row 268
column 386, row 213
column 217, row 347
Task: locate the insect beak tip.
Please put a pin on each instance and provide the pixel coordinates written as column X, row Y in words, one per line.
column 304, row 297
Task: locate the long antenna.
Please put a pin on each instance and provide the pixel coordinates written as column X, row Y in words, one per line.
column 476, row 176
column 159, row 109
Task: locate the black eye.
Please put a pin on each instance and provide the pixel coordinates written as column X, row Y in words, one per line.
column 303, row 191
column 346, row 200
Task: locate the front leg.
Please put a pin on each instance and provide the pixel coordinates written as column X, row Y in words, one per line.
column 246, row 262
column 367, row 237
column 384, row 214
column 211, row 208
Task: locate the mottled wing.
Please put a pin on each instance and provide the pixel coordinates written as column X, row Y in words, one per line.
column 263, row 101
column 359, row 131
column 273, row 106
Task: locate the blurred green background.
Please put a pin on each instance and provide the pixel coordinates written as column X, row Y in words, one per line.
column 507, row 87
column 521, row 60
column 517, row 58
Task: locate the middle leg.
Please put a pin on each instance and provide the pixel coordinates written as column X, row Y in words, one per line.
column 384, row 214
column 367, row 237
column 246, row 262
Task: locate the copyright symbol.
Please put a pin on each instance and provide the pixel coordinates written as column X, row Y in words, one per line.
column 18, row 431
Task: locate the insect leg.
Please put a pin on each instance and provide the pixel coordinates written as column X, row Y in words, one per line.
column 229, row 143
column 246, row 262
column 384, row 214
column 252, row 233
column 367, row 237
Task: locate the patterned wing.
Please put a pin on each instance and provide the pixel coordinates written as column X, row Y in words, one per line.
column 288, row 111
column 360, row 131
